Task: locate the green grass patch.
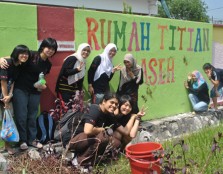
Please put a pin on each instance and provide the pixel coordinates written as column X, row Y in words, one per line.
column 199, row 155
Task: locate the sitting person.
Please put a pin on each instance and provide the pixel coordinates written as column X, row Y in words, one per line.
column 95, row 132
column 127, row 119
column 198, row 91
column 215, row 75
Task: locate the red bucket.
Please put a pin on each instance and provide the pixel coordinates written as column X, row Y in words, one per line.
column 145, row 165
column 144, row 148
column 141, row 158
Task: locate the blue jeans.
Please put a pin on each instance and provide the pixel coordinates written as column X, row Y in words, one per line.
column 25, row 109
column 220, row 91
column 198, row 106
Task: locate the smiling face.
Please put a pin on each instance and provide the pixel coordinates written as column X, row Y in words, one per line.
column 85, row 52
column 127, row 64
column 109, row 106
column 23, row 57
column 125, row 108
column 112, row 53
column 194, row 78
column 48, row 52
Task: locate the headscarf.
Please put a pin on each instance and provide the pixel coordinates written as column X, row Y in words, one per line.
column 74, row 78
column 200, row 79
column 106, row 65
column 136, row 69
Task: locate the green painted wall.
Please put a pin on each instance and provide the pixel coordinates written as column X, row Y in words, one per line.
column 18, row 25
column 182, row 44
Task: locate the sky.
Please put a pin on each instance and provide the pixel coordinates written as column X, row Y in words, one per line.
column 215, row 9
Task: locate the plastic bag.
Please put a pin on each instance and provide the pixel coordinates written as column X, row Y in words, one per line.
column 9, row 131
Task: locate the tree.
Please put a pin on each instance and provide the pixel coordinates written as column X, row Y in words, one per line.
column 192, row 10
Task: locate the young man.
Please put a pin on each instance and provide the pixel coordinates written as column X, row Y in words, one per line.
column 215, row 76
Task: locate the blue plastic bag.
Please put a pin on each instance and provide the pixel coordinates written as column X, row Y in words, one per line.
column 9, row 131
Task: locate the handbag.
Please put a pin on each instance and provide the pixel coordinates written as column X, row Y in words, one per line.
column 9, row 131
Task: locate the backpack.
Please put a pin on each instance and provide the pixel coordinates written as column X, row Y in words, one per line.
column 45, row 127
column 67, row 125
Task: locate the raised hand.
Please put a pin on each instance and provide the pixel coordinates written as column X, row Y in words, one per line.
column 142, row 111
column 80, row 66
column 117, row 68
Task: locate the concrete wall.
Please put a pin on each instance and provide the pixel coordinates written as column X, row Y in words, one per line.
column 167, row 49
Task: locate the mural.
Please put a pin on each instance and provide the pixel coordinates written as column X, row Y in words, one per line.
column 167, row 49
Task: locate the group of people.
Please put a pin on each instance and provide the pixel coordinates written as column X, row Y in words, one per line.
column 199, row 91
column 18, row 74
column 112, row 117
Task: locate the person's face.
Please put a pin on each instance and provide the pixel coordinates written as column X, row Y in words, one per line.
column 207, row 71
column 126, row 108
column 110, row 105
column 127, row 64
column 48, row 52
column 194, row 78
column 23, row 57
column 85, row 52
column 112, row 53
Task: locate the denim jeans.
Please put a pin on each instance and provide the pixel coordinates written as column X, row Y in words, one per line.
column 97, row 98
column 198, row 106
column 220, row 91
column 25, row 109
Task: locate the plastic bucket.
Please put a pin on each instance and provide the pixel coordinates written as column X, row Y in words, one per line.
column 144, row 148
column 145, row 165
column 141, row 158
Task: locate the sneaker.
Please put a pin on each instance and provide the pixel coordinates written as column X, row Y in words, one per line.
column 74, row 162
column 36, row 144
column 23, row 146
column 84, row 170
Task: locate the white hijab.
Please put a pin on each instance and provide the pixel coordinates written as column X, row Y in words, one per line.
column 74, row 78
column 106, row 65
column 136, row 69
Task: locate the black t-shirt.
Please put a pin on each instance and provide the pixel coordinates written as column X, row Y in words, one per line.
column 30, row 73
column 98, row 119
column 217, row 74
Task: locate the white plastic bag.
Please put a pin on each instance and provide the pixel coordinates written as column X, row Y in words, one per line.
column 9, row 131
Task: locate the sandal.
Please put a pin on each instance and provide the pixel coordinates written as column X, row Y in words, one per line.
column 10, row 151
column 23, row 146
column 36, row 144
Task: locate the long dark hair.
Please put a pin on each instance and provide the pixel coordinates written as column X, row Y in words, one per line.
column 19, row 49
column 123, row 99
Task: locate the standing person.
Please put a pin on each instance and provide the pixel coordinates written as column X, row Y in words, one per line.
column 131, row 76
column 101, row 72
column 215, row 75
column 72, row 73
column 27, row 97
column 19, row 56
column 198, row 92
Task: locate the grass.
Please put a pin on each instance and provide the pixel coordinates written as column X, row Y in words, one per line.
column 199, row 151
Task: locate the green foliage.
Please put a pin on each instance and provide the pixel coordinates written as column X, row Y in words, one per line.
column 192, row 10
column 127, row 9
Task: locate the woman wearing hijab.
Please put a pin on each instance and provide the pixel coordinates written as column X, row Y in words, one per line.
column 198, row 91
column 131, row 76
column 72, row 73
column 101, row 72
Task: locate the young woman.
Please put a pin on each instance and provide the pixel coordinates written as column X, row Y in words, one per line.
column 101, row 72
column 127, row 119
column 131, row 76
column 198, row 92
column 72, row 73
column 215, row 75
column 96, row 130
column 18, row 57
column 26, row 97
